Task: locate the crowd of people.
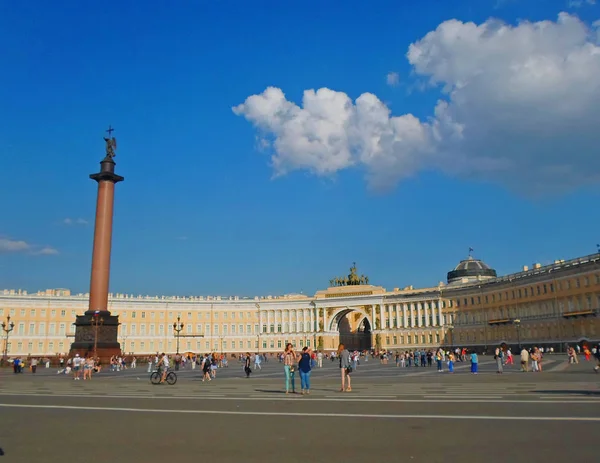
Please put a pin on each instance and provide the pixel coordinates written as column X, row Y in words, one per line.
column 304, row 361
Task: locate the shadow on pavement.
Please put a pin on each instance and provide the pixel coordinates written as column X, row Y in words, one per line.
column 567, row 391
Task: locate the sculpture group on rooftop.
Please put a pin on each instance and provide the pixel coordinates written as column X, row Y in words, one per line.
column 351, row 280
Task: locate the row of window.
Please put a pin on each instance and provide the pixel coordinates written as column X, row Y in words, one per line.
column 527, row 291
column 575, row 303
column 39, row 329
column 587, row 328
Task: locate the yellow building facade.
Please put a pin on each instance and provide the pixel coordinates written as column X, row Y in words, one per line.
column 550, row 305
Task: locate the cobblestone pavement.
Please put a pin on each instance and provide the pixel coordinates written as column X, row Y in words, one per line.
column 392, row 414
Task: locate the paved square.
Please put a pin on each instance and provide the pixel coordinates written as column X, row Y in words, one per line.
column 392, row 414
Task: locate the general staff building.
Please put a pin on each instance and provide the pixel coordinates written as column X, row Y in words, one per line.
column 551, row 305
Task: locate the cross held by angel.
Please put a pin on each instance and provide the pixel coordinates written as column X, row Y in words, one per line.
column 111, row 143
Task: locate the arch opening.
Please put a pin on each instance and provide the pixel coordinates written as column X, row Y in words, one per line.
column 354, row 330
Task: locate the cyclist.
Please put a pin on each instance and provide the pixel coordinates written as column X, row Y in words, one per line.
column 163, row 366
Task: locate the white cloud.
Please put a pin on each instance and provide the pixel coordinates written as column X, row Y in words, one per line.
column 519, row 107
column 8, row 245
column 46, row 251
column 392, row 79
column 580, row 3
column 79, row 221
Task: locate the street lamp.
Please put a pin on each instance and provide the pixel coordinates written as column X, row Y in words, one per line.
column 7, row 327
column 97, row 320
column 517, row 322
column 178, row 328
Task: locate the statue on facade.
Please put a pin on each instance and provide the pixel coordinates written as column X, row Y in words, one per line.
column 351, row 280
column 111, row 143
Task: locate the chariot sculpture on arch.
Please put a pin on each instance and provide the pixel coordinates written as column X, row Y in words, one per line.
column 351, row 280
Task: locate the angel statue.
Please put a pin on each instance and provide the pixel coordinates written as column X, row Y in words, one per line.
column 111, row 147
column 111, row 143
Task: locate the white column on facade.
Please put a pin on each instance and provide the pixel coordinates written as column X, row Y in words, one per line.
column 441, row 319
column 404, row 315
column 428, row 312
column 390, row 316
column 260, row 321
column 419, row 314
column 382, row 315
column 325, row 321
column 396, row 308
column 373, row 319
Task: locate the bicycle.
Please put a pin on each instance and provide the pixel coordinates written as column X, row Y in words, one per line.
column 156, row 376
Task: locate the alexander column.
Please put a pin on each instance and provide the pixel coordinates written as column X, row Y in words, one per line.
column 97, row 329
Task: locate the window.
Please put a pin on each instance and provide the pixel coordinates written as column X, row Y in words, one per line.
column 53, row 313
column 62, row 329
column 63, row 313
column 233, row 316
column 279, row 344
column 132, row 314
column 255, row 329
column 225, row 330
column 51, row 329
column 31, row 329
column 32, row 312
column 143, row 314
column 395, row 340
column 240, row 329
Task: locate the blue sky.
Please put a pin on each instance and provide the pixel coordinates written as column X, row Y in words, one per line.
column 204, row 211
